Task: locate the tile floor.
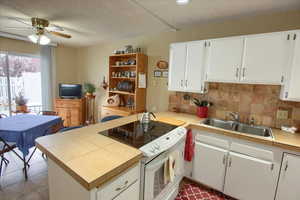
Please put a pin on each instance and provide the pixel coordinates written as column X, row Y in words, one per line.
column 13, row 185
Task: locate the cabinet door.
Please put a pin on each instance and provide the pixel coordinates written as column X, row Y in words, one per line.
column 293, row 82
column 64, row 113
column 249, row 178
column 225, row 59
column 75, row 117
column 288, row 186
column 195, row 62
column 209, row 165
column 131, row 193
column 177, row 66
column 265, row 57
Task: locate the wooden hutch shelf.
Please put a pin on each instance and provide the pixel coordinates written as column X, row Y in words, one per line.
column 120, row 73
column 122, row 92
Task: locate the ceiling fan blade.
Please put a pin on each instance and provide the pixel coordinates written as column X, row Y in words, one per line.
column 60, row 34
column 54, row 28
column 17, row 28
column 20, row 20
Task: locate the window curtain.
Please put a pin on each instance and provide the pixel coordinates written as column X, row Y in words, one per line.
column 47, row 54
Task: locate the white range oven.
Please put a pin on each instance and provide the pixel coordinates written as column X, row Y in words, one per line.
column 162, row 145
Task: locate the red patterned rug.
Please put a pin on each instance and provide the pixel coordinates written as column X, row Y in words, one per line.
column 195, row 192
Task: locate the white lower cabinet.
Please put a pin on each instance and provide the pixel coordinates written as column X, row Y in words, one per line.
column 210, row 165
column 288, row 186
column 240, row 169
column 250, row 178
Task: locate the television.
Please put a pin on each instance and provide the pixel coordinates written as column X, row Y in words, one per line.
column 70, row 91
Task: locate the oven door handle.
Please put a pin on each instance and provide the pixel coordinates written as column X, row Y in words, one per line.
column 156, row 165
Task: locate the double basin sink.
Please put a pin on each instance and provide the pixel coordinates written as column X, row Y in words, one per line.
column 261, row 131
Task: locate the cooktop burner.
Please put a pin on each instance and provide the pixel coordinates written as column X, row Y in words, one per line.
column 137, row 134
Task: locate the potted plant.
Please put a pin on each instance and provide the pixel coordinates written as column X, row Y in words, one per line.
column 202, row 107
column 21, row 103
column 89, row 89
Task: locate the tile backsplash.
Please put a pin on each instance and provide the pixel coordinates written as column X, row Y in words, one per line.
column 260, row 102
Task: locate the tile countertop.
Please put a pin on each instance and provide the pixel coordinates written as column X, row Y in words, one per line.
column 93, row 159
column 281, row 139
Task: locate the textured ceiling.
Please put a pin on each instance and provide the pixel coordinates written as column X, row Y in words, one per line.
column 95, row 21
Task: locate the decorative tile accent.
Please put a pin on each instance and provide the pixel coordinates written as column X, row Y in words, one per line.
column 195, row 192
column 258, row 101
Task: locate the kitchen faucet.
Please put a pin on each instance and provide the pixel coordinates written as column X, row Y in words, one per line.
column 235, row 116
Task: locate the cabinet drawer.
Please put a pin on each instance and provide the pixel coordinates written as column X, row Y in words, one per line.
column 119, row 184
column 67, row 104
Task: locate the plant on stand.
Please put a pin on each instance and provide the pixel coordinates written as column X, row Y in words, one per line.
column 21, row 102
column 89, row 89
column 202, row 107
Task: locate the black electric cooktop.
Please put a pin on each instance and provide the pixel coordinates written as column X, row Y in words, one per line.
column 137, row 134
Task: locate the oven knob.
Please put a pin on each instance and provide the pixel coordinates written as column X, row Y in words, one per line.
column 157, row 147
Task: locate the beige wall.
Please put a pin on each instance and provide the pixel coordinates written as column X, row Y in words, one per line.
column 66, row 63
column 93, row 60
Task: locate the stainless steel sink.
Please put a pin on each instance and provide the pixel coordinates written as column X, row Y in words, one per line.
column 261, row 131
column 228, row 125
column 254, row 130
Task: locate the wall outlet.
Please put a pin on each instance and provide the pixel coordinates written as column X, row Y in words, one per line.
column 282, row 114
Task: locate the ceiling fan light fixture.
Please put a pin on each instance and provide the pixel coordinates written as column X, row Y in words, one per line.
column 39, row 39
column 44, row 40
column 182, row 2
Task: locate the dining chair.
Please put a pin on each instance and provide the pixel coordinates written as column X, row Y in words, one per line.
column 70, row 128
column 4, row 148
column 109, row 118
column 48, row 112
column 2, row 115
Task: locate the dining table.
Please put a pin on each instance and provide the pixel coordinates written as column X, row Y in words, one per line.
column 23, row 129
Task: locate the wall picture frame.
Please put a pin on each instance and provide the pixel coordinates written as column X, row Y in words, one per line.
column 157, row 73
column 165, row 74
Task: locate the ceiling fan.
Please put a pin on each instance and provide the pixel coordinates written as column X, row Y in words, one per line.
column 41, row 28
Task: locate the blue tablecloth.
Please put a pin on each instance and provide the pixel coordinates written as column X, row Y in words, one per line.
column 25, row 128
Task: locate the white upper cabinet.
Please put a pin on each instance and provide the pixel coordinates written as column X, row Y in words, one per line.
column 187, row 62
column 290, row 90
column 177, row 66
column 224, row 59
column 265, row 57
column 288, row 186
column 250, row 178
column 195, row 67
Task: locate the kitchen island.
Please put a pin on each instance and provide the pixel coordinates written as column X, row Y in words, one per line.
column 84, row 165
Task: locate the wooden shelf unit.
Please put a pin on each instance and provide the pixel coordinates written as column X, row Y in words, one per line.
column 139, row 94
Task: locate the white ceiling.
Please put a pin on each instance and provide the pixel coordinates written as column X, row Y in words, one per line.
column 95, row 21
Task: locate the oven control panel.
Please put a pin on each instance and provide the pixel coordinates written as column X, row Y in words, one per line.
column 164, row 142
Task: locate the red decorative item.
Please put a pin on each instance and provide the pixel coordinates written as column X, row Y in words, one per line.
column 202, row 111
column 189, row 146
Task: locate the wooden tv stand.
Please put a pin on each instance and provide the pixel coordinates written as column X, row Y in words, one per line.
column 72, row 111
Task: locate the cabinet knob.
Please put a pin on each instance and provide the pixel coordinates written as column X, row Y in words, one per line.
column 244, row 72
column 224, row 159
column 229, row 163
column 122, row 187
column 237, row 72
column 286, row 166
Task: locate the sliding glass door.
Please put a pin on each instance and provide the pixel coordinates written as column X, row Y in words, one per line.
column 20, row 76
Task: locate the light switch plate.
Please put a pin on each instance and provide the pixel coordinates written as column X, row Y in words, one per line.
column 282, row 114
